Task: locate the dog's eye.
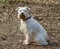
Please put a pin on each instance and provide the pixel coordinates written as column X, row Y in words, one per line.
column 20, row 10
column 25, row 11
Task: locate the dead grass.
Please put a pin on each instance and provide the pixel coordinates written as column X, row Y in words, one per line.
column 47, row 14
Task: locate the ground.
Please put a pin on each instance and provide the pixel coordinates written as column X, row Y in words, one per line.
column 46, row 14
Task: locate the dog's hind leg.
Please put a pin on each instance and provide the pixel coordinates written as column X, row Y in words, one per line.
column 41, row 40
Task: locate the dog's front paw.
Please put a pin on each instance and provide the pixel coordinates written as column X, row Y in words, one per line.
column 25, row 42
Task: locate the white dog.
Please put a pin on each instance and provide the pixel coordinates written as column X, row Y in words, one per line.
column 31, row 28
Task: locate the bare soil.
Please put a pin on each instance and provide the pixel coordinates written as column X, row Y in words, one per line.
column 46, row 14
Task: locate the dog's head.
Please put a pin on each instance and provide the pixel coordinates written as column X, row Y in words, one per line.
column 23, row 12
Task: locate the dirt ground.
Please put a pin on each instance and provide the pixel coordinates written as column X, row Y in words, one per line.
column 46, row 14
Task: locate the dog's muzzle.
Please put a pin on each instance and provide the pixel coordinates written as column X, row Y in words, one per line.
column 21, row 16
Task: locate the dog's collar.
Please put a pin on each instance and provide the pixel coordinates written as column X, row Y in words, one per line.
column 26, row 18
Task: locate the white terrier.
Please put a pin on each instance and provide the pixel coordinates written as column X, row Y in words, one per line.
column 31, row 28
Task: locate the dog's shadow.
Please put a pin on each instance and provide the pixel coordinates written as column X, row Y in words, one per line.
column 57, row 44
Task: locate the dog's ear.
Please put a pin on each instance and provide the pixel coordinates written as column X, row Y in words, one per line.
column 28, row 8
column 17, row 8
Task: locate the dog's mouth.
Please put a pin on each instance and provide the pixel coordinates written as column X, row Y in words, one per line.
column 22, row 16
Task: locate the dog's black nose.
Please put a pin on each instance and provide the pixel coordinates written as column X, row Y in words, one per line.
column 22, row 13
